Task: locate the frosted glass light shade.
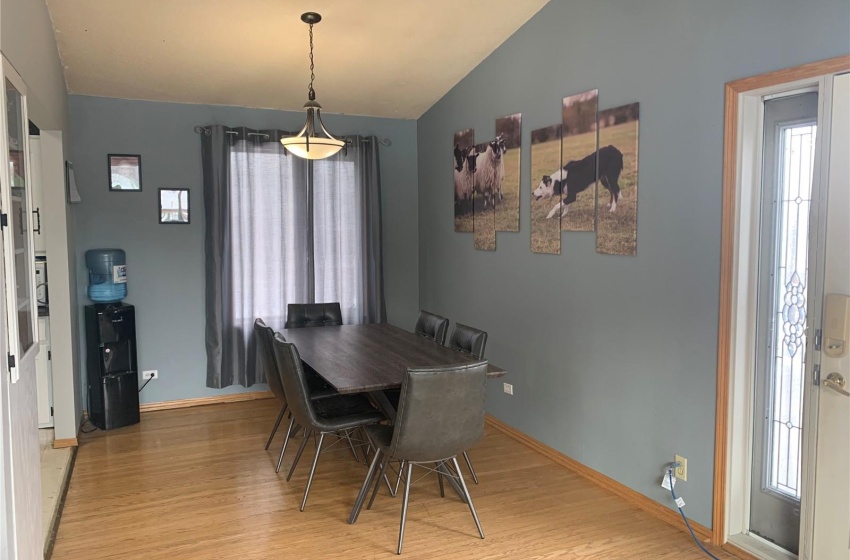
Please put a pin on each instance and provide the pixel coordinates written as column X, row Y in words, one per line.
column 313, row 142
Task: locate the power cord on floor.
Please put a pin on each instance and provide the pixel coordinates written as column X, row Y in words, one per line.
column 669, row 473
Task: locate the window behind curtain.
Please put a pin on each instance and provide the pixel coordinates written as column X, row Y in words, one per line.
column 337, row 236
column 269, row 234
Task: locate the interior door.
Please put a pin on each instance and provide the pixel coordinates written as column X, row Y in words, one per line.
column 21, row 449
column 831, row 534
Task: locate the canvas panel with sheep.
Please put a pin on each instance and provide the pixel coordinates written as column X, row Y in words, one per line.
column 509, row 129
column 618, row 191
column 487, row 178
column 579, row 143
column 463, row 168
column 545, row 161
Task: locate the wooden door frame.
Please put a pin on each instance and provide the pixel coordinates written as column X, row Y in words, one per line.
column 734, row 90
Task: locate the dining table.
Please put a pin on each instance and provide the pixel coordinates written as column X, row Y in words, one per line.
column 372, row 358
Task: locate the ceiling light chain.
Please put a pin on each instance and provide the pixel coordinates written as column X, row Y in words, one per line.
column 311, row 93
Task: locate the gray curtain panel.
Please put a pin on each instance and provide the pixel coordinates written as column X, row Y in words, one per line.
column 281, row 230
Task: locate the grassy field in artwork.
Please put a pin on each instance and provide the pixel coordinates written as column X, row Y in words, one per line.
column 545, row 234
column 581, row 216
column 507, row 212
column 617, row 231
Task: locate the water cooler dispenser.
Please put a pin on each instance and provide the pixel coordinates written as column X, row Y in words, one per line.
column 113, row 381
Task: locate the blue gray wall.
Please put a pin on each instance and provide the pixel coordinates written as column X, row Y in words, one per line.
column 613, row 359
column 165, row 262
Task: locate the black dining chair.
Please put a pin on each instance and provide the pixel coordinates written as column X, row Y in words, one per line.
column 440, row 414
column 338, row 415
column 313, row 315
column 432, row 326
column 472, row 341
column 318, row 387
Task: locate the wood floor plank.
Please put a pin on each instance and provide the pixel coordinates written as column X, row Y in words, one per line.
column 196, row 484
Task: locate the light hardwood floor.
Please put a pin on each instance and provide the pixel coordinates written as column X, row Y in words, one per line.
column 196, row 483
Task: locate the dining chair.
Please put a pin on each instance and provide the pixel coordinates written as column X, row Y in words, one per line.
column 440, row 414
column 338, row 415
column 261, row 332
column 472, row 341
column 432, row 326
column 318, row 387
column 313, row 315
column 469, row 340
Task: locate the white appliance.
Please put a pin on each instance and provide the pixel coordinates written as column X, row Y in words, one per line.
column 41, row 281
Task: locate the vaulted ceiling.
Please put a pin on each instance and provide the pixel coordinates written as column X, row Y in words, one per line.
column 387, row 58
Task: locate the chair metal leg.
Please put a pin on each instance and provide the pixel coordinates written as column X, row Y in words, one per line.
column 276, row 424
column 285, row 442
column 404, row 506
column 398, row 480
column 468, row 497
column 440, row 480
column 313, row 469
column 469, row 464
column 361, row 497
column 298, row 455
column 384, row 465
column 347, row 436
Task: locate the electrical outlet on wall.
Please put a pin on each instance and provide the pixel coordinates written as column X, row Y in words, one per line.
column 150, row 374
column 682, row 469
column 508, row 388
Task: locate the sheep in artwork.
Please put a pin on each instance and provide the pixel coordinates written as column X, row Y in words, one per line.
column 490, row 171
column 464, row 175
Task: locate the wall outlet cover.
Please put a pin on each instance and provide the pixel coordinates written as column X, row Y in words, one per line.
column 508, row 388
column 150, row 374
column 682, row 471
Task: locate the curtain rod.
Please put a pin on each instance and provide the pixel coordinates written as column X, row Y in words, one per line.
column 203, row 130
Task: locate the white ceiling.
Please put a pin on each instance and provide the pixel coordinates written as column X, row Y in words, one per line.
column 387, row 58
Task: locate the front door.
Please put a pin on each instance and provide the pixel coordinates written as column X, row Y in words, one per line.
column 785, row 279
column 830, row 536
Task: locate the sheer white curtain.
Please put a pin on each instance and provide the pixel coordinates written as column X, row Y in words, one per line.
column 337, row 236
column 268, row 233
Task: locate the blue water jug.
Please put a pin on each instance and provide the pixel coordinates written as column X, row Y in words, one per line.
column 107, row 275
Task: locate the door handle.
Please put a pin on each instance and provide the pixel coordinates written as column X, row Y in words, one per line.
column 836, row 382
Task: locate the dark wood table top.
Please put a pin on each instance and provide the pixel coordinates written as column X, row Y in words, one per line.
column 364, row 358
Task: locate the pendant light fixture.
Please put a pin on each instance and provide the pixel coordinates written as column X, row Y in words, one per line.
column 312, row 142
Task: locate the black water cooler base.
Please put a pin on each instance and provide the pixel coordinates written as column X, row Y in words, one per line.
column 120, row 393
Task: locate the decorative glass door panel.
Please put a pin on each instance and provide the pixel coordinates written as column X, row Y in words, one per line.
column 784, row 281
column 17, row 234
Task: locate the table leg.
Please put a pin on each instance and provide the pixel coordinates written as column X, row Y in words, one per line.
column 452, row 480
column 384, row 404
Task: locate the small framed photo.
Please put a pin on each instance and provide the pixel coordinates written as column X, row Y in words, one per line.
column 174, row 206
column 125, row 172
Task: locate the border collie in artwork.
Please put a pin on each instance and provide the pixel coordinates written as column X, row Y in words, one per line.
column 576, row 176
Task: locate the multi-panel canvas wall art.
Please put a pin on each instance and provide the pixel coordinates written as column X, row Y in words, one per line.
column 486, row 182
column 509, row 130
column 463, row 164
column 578, row 157
column 618, row 180
column 545, row 174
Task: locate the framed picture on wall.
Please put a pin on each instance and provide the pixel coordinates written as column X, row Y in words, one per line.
column 174, row 206
column 125, row 172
